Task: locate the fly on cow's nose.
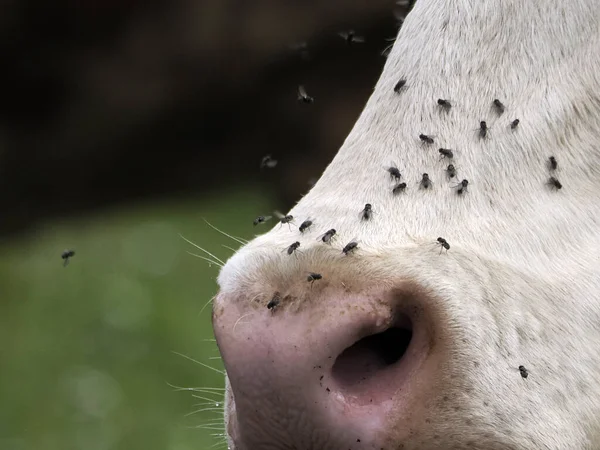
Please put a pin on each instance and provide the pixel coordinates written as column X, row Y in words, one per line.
column 284, row 218
column 443, row 243
column 425, row 182
column 426, row 138
column 394, row 172
column 274, row 302
column 483, row 129
column 312, row 277
column 292, row 248
column 350, row 247
column 445, row 153
column 498, row 106
column 367, row 212
column 445, row 104
column 305, row 225
column 327, row 236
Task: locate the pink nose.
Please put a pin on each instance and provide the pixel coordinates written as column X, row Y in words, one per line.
column 334, row 371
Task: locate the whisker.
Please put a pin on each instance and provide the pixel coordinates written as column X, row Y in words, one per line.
column 237, row 239
column 201, row 249
column 199, row 397
column 213, row 404
column 208, row 260
column 214, row 423
column 204, row 427
column 218, row 392
column 207, row 388
column 202, row 410
column 237, row 321
column 206, row 304
column 223, row 442
column 229, row 248
column 222, row 372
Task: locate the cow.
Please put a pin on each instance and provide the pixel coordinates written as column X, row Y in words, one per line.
column 466, row 315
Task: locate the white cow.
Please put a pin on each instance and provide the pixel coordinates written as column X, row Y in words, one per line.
column 518, row 286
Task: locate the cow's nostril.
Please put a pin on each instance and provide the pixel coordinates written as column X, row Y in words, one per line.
column 372, row 355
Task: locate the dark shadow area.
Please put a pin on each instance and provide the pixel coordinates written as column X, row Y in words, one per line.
column 113, row 102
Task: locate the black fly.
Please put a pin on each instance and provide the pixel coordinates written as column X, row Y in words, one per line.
column 498, row 106
column 426, row 139
column 305, row 225
column 327, row 236
column 350, row 37
column 554, row 183
column 462, row 186
column 446, row 153
column 274, row 301
column 284, row 219
column 514, row 124
column 268, row 162
column 399, row 85
column 443, row 243
column 445, row 104
column 552, row 163
column 66, row 255
column 350, row 247
column 425, row 182
column 292, row 248
column 524, row 372
column 483, row 129
column 312, row 277
column 451, row 171
column 367, row 212
column 394, row 172
column 400, row 187
column 261, row 219
column 303, row 96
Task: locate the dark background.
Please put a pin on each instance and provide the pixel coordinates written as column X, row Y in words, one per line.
column 122, row 125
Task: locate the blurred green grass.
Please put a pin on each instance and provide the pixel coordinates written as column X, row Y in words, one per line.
column 87, row 350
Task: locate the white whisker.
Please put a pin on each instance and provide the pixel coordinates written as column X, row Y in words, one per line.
column 204, row 427
column 237, row 239
column 201, row 249
column 195, row 389
column 208, row 260
column 199, row 397
column 207, row 303
column 237, row 321
column 229, row 248
column 201, row 410
column 223, row 442
column 222, row 372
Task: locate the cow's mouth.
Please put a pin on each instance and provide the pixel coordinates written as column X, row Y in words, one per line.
column 372, row 355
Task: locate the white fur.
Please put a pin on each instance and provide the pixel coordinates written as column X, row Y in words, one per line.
column 521, row 281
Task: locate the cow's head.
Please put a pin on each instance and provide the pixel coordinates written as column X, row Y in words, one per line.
column 488, row 338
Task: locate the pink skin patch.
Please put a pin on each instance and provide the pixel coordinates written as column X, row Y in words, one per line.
column 348, row 369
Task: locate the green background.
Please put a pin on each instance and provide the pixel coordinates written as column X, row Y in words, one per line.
column 88, row 350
